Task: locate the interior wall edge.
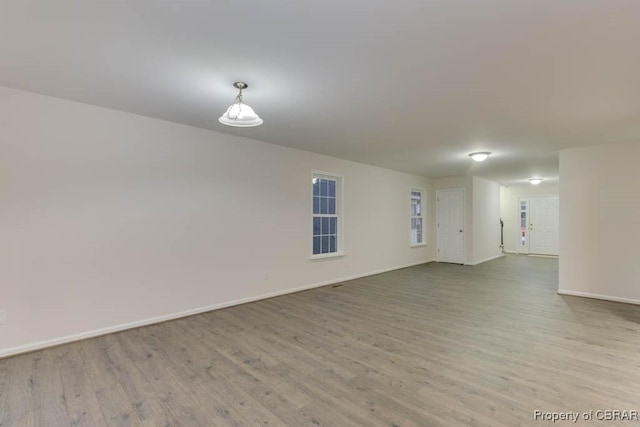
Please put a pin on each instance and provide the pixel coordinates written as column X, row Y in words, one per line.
column 484, row 260
column 598, row 296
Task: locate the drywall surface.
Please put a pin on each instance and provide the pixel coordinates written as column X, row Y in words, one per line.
column 510, row 211
column 110, row 219
column 599, row 211
column 486, row 220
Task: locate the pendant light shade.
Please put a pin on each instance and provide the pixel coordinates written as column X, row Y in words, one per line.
column 240, row 114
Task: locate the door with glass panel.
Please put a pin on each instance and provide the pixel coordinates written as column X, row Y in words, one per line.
column 538, row 225
column 523, row 225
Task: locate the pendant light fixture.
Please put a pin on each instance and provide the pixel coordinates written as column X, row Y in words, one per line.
column 240, row 114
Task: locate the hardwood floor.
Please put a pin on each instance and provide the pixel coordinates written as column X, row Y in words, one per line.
column 436, row 344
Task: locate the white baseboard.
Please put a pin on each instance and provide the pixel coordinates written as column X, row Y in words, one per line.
column 485, row 260
column 598, row 296
column 12, row 351
column 510, row 252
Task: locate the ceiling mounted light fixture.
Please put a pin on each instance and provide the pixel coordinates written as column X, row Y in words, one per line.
column 240, row 114
column 535, row 181
column 480, row 156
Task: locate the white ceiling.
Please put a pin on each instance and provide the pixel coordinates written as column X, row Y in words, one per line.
column 411, row 85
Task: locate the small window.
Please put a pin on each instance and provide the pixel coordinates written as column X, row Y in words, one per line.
column 417, row 217
column 326, row 227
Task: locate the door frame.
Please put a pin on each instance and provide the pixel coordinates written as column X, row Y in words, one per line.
column 464, row 223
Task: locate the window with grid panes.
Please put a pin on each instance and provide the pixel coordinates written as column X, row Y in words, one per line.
column 417, row 217
column 326, row 217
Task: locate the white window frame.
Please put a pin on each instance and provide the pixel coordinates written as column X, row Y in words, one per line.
column 339, row 179
column 422, row 216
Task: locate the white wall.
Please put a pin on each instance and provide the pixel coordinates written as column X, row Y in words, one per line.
column 108, row 219
column 599, row 211
column 486, row 220
column 509, row 209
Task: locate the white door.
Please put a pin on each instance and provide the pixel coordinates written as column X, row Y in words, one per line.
column 544, row 225
column 450, row 225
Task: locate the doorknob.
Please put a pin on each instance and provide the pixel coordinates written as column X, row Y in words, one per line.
column 461, row 231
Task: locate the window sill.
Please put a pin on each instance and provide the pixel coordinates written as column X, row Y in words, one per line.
column 325, row 256
column 417, row 245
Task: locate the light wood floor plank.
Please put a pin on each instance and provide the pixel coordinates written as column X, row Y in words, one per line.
column 82, row 405
column 16, row 394
column 49, row 399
